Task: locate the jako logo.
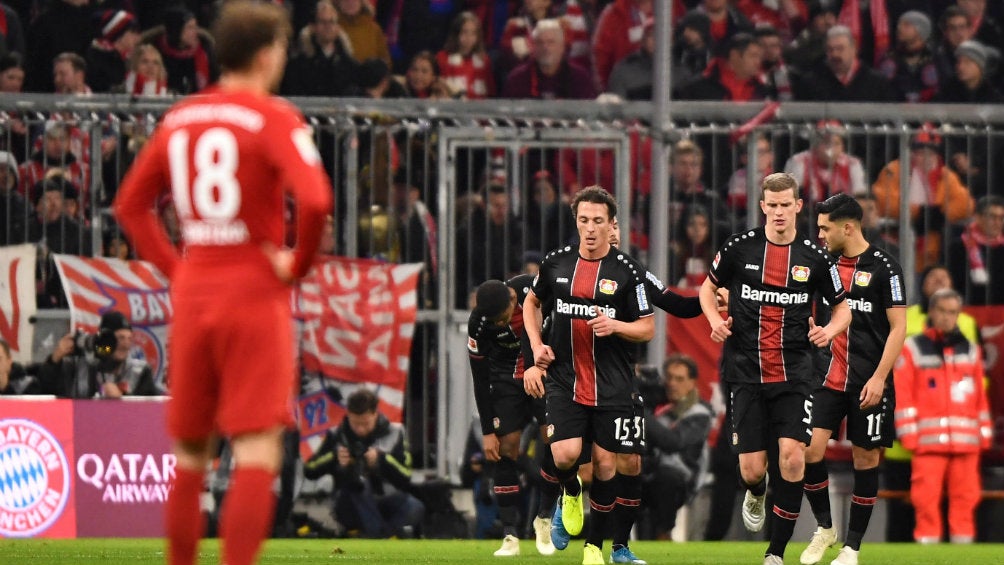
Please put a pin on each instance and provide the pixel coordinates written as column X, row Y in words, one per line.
column 34, row 479
column 584, row 310
column 774, row 297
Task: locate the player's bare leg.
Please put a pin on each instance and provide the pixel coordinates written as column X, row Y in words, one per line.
column 249, row 505
column 817, row 492
column 507, row 493
column 626, row 512
column 184, row 521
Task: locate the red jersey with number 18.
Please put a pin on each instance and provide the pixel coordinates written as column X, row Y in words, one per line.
column 227, row 158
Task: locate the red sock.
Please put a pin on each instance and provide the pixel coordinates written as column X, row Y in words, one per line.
column 248, row 510
column 183, row 518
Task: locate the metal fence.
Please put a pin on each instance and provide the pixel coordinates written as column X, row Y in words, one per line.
column 478, row 190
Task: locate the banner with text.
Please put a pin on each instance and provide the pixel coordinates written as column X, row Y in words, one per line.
column 358, row 319
column 17, row 299
column 134, row 288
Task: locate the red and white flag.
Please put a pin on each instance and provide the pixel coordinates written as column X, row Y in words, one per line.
column 17, row 299
column 135, row 288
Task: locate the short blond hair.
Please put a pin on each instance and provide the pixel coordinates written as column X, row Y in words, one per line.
column 779, row 182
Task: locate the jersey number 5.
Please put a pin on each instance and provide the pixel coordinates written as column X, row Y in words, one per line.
column 215, row 193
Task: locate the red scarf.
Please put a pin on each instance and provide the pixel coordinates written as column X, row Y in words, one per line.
column 818, row 188
column 739, row 90
column 140, row 85
column 197, row 53
column 850, row 16
column 973, row 239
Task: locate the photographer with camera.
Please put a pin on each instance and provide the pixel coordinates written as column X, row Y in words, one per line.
column 369, row 460
column 98, row 366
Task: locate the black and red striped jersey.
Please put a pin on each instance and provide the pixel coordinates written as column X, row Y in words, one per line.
column 771, row 290
column 597, row 371
column 874, row 283
column 500, row 345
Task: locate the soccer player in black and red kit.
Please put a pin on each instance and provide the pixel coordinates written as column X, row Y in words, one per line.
column 494, row 336
column 772, row 273
column 857, row 384
column 600, row 306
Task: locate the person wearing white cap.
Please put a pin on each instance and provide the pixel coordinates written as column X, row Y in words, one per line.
column 910, row 66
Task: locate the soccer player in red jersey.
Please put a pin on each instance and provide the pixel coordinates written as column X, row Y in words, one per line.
column 228, row 155
column 772, row 273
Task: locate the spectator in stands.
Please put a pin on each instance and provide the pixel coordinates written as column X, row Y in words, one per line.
column 691, row 251
column 871, row 225
column 955, row 30
column 870, row 25
column 910, row 67
column 147, row 75
column 69, row 74
column 61, row 232
column 411, row 26
column 463, row 63
column 323, row 64
column 808, row 50
column 969, row 83
column 368, row 41
column 735, row 77
column 726, row 22
column 188, row 52
column 774, row 73
column 13, row 378
column 548, row 218
column 11, row 31
column 13, row 207
column 787, row 17
column 417, row 233
column 631, row 77
column 976, row 259
column 931, row 280
column 844, row 78
column 687, row 190
column 549, row 75
column 64, row 27
column 678, row 445
column 619, row 32
column 104, row 370
column 422, row 74
column 943, row 418
column 984, row 27
column 368, row 456
column 516, row 45
column 691, row 48
column 374, row 81
column 491, row 247
column 825, row 168
column 11, row 73
column 737, row 190
column 937, row 196
column 53, row 153
column 107, row 56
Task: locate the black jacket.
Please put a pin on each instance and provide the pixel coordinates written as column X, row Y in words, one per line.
column 393, row 469
column 866, row 86
column 312, row 73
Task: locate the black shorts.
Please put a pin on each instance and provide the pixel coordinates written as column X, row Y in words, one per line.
column 762, row 413
column 868, row 429
column 619, row 429
column 514, row 407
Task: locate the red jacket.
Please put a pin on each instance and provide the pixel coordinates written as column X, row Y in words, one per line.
column 941, row 404
column 619, row 31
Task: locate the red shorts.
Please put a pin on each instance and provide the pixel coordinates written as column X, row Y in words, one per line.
column 231, row 367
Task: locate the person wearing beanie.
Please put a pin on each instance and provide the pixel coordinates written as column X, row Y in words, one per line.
column 188, row 52
column 970, row 84
column 116, row 35
column 911, row 67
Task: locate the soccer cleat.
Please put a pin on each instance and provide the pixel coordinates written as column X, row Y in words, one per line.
column 847, row 556
column 559, row 536
column 625, row 555
column 591, row 555
column 542, row 528
column 753, row 511
column 823, row 539
column 771, row 559
column 571, row 512
column 510, row 547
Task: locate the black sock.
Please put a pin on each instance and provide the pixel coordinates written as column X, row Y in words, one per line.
column 550, row 488
column 787, row 502
column 756, row 489
column 817, row 492
column 507, row 494
column 627, row 504
column 602, row 500
column 862, row 502
column 569, row 479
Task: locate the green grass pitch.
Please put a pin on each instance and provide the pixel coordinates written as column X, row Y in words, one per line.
column 415, row 552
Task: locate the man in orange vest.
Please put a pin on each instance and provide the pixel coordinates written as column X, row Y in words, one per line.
column 942, row 417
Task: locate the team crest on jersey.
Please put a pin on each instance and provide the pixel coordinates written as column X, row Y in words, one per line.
column 862, row 279
column 800, row 273
column 608, row 286
column 34, row 478
column 472, row 345
column 735, row 438
column 718, row 257
column 496, row 422
column 550, row 430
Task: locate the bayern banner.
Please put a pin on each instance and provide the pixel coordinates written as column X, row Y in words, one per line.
column 17, row 299
column 135, row 288
column 358, row 320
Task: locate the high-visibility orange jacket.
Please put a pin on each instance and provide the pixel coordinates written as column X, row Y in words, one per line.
column 941, row 405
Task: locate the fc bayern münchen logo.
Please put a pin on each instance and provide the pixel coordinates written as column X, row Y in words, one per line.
column 34, row 478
